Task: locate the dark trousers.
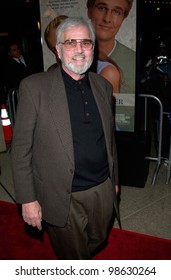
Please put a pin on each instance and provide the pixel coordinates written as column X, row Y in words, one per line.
column 87, row 227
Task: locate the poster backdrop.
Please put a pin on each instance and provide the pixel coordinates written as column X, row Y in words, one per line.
column 125, row 100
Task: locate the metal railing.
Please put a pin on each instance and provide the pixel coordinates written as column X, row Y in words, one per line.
column 12, row 99
column 158, row 157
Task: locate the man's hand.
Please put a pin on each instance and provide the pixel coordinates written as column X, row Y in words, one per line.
column 116, row 189
column 32, row 214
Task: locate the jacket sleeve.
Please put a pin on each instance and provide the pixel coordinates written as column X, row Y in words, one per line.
column 21, row 149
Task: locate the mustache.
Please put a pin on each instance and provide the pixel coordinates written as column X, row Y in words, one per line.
column 79, row 55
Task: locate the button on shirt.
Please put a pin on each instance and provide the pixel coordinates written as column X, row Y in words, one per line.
column 91, row 164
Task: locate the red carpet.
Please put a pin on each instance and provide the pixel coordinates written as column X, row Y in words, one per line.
column 18, row 242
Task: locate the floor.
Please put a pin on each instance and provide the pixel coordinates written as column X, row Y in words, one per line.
column 145, row 210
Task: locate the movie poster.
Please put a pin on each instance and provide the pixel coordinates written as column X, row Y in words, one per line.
column 126, row 36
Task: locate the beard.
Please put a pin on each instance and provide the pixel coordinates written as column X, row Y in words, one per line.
column 77, row 69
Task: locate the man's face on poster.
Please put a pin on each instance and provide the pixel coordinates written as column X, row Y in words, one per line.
column 107, row 16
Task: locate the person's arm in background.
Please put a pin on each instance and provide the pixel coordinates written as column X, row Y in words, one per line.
column 111, row 73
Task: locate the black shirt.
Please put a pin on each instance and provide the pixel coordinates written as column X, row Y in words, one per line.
column 91, row 165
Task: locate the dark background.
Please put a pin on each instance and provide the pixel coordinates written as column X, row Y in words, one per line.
column 18, row 19
column 153, row 26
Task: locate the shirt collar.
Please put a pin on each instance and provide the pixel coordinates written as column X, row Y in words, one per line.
column 70, row 82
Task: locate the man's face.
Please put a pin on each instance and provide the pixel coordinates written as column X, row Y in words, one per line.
column 76, row 56
column 15, row 51
column 107, row 16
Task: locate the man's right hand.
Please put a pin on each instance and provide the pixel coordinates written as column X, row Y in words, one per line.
column 32, row 214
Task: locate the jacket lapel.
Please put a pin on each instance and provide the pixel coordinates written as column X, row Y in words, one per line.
column 58, row 106
column 99, row 96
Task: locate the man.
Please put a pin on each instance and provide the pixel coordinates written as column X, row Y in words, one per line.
column 15, row 67
column 64, row 156
column 108, row 16
column 104, row 66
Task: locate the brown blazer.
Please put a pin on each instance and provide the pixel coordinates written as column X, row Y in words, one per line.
column 42, row 148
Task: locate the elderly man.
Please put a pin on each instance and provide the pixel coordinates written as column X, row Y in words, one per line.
column 64, row 156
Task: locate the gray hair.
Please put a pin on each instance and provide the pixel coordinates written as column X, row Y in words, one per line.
column 74, row 22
